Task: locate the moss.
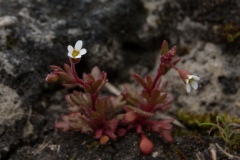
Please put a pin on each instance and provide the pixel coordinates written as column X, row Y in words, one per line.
column 192, row 119
column 93, row 145
column 234, row 143
column 230, row 32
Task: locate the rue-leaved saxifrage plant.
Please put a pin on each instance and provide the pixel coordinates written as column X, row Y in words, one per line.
column 91, row 113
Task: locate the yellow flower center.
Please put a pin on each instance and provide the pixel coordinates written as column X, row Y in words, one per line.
column 191, row 80
column 75, row 53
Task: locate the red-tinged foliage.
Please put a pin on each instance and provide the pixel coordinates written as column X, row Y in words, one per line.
column 111, row 117
column 146, row 145
column 104, row 139
column 153, row 97
column 88, row 112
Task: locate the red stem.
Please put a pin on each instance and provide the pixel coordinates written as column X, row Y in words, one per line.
column 174, row 66
column 158, row 76
column 78, row 80
column 155, row 80
column 93, row 98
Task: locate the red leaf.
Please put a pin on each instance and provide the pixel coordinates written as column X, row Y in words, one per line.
column 130, row 116
column 65, row 77
column 104, row 139
column 67, row 68
column 139, row 79
column 87, row 88
column 52, row 78
column 96, row 85
column 98, row 133
column 110, row 134
column 101, row 106
column 56, row 68
column 149, row 81
column 63, row 125
column 146, row 145
column 121, row 132
column 166, row 135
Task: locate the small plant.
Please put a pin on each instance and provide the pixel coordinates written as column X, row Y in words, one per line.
column 227, row 131
column 92, row 113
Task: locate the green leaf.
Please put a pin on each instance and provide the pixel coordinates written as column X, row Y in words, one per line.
column 75, row 99
column 96, row 85
column 164, row 49
column 208, row 124
column 138, row 110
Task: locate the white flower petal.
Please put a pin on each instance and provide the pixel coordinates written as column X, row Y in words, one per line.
column 83, row 51
column 78, row 56
column 188, row 87
column 187, row 80
column 194, row 84
column 70, row 54
column 190, row 76
column 78, row 45
column 70, row 48
column 196, row 78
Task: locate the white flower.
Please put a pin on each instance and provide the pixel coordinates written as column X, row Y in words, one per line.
column 191, row 81
column 76, row 52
